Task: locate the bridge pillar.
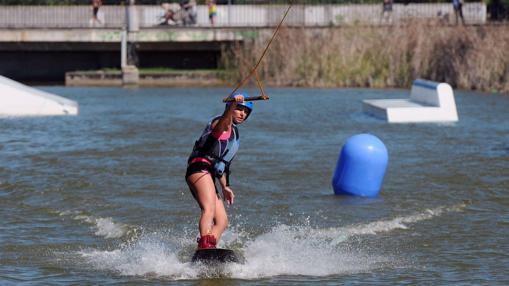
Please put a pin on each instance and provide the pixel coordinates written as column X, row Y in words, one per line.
column 130, row 74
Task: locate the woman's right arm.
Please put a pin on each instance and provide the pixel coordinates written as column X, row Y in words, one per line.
column 225, row 122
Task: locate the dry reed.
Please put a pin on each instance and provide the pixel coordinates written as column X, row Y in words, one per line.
column 466, row 57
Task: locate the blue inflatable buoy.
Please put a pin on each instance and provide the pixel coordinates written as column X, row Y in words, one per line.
column 361, row 166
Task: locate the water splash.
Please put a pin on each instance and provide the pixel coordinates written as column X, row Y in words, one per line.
column 104, row 227
column 300, row 250
column 283, row 250
column 152, row 254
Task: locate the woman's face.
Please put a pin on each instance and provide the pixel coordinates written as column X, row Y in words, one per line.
column 240, row 113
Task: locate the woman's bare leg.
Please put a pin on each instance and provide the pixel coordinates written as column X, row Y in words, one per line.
column 220, row 219
column 203, row 185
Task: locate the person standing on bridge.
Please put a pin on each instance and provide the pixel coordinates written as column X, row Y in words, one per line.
column 211, row 4
column 387, row 12
column 96, row 4
column 458, row 10
column 210, row 159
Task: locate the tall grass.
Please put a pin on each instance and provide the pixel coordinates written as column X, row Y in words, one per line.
column 466, row 57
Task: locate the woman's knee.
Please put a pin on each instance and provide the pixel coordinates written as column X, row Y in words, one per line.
column 208, row 210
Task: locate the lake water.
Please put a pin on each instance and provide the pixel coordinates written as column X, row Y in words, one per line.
column 100, row 198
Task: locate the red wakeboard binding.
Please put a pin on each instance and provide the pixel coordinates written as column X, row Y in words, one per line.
column 207, row 241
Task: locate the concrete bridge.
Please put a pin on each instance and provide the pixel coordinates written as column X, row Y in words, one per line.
column 46, row 54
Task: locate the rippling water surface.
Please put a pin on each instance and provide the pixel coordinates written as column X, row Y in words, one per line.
column 100, row 198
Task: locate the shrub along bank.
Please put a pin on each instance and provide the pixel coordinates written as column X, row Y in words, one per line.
column 467, row 57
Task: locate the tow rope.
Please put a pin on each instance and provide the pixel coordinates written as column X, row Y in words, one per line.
column 254, row 71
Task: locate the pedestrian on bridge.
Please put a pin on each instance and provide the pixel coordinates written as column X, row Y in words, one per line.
column 212, row 11
column 96, row 19
column 458, row 10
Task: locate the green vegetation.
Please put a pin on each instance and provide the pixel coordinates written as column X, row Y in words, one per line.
column 467, row 57
column 159, row 70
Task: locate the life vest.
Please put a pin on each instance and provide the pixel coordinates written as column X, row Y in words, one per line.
column 218, row 152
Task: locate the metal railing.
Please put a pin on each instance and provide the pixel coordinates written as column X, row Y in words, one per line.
column 249, row 15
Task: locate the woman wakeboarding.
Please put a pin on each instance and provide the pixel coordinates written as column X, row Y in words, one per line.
column 213, row 153
column 210, row 159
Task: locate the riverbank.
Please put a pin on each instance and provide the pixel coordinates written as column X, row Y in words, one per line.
column 467, row 57
column 149, row 77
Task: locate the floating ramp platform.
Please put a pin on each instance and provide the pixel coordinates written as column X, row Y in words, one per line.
column 17, row 99
column 429, row 102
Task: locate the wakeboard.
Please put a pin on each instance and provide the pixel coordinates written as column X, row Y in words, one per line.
column 215, row 255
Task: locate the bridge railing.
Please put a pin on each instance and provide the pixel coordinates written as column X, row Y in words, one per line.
column 60, row 17
column 114, row 16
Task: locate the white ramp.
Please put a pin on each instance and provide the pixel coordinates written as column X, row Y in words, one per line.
column 17, row 99
column 429, row 102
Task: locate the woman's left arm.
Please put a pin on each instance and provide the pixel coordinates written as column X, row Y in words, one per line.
column 227, row 191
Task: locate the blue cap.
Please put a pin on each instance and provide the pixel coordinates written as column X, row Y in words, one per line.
column 248, row 104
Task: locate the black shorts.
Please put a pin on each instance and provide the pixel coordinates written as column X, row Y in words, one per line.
column 201, row 167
